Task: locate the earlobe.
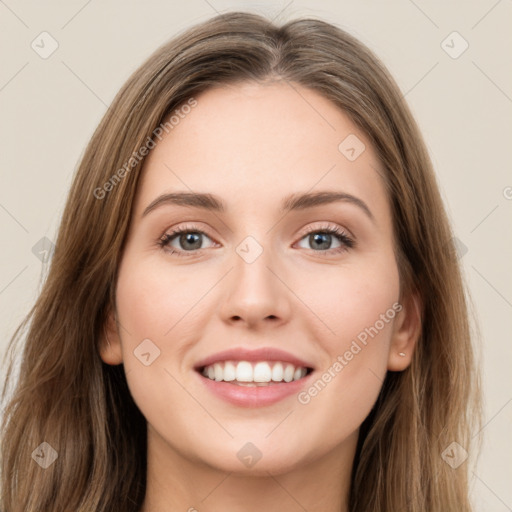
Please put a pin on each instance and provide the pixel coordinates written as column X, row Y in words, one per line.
column 406, row 332
column 110, row 343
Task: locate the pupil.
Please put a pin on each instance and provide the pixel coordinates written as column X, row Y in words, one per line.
column 189, row 237
column 318, row 238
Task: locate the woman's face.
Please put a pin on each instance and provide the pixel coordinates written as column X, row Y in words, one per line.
column 258, row 273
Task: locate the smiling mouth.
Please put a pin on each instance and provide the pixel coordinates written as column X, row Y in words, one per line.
column 254, row 374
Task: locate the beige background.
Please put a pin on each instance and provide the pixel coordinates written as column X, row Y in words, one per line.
column 50, row 107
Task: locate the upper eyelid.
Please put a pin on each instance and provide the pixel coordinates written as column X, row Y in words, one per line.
column 172, row 232
column 197, row 228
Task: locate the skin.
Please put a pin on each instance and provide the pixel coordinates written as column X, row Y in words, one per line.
column 252, row 145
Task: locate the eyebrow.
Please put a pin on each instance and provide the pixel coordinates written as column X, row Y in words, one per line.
column 298, row 201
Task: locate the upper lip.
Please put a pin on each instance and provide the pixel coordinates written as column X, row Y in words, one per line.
column 260, row 354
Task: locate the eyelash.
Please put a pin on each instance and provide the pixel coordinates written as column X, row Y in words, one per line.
column 346, row 241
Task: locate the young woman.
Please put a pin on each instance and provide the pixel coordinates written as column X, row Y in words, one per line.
column 254, row 301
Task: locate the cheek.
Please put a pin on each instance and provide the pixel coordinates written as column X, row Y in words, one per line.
column 353, row 300
column 361, row 315
column 359, row 308
column 157, row 306
column 154, row 300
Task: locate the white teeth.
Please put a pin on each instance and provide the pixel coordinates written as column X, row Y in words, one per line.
column 288, row 373
column 244, row 372
column 262, row 373
column 229, row 371
column 217, row 368
column 277, row 372
column 252, row 374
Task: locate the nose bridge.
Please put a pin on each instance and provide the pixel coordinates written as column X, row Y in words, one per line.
column 252, row 267
column 255, row 292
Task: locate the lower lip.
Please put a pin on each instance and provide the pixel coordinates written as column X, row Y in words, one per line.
column 254, row 396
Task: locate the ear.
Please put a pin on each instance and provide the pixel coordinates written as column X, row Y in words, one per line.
column 110, row 342
column 406, row 332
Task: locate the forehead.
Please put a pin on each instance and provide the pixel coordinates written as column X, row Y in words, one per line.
column 253, row 144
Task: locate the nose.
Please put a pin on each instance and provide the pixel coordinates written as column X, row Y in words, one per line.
column 257, row 294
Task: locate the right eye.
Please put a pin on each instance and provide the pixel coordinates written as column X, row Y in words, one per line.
column 190, row 239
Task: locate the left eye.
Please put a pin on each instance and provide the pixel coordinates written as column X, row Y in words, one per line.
column 323, row 237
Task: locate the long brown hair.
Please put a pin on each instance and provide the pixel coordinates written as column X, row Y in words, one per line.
column 67, row 397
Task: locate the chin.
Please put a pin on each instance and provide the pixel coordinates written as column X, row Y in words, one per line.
column 255, row 458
